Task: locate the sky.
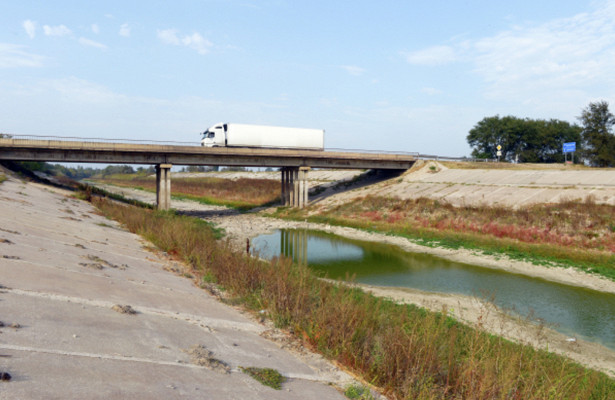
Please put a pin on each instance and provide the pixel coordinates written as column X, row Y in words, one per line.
column 411, row 76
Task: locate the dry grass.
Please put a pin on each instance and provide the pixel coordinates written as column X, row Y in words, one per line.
column 408, row 352
column 582, row 225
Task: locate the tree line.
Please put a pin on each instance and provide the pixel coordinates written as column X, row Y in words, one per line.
column 79, row 172
column 540, row 141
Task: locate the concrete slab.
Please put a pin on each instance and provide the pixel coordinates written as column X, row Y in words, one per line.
column 63, row 268
column 504, row 187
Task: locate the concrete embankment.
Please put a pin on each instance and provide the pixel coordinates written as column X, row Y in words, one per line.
column 513, row 186
column 90, row 312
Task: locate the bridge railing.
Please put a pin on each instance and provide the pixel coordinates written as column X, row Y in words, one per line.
column 197, row 144
column 405, row 153
column 444, row 158
column 96, row 140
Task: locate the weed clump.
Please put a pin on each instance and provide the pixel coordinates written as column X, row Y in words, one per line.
column 267, row 376
column 358, row 392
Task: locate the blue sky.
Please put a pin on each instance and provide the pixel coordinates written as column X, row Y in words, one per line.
column 389, row 75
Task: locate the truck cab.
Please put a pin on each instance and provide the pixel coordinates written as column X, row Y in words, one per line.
column 214, row 136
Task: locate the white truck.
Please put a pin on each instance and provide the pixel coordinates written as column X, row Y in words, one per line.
column 240, row 135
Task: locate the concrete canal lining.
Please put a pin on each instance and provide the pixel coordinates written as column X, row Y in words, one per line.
column 63, row 268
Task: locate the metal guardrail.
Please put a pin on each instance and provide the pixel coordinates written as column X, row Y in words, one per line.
column 444, row 158
column 97, row 140
column 405, row 153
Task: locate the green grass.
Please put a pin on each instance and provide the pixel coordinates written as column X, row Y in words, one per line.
column 237, row 205
column 358, row 392
column 2, row 178
column 267, row 376
column 538, row 254
column 406, row 351
column 572, row 234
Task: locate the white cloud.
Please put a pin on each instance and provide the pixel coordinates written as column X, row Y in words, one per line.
column 435, row 55
column 197, row 42
column 124, row 30
column 95, row 29
column 60, row 30
column 552, row 66
column 194, row 41
column 13, row 56
column 169, row 36
column 91, row 43
column 30, row 27
column 564, row 54
column 353, row 70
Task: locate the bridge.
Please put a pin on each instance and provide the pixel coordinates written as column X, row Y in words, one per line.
column 294, row 164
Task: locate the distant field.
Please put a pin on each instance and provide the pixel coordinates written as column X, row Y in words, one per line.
column 242, row 193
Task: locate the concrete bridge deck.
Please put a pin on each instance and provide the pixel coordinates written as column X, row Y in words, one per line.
column 134, row 153
column 294, row 164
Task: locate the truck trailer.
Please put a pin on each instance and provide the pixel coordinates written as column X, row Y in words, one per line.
column 241, row 135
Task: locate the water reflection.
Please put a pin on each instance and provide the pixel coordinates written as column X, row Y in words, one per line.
column 573, row 311
column 294, row 243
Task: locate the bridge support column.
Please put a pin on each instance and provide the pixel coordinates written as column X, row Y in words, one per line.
column 294, row 187
column 303, row 187
column 285, row 198
column 163, row 186
column 294, row 201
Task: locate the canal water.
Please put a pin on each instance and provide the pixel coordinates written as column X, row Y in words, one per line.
column 574, row 311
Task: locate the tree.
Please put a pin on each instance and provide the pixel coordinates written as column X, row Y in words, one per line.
column 523, row 140
column 487, row 134
column 195, row 168
column 551, row 135
column 117, row 169
column 597, row 134
column 235, row 169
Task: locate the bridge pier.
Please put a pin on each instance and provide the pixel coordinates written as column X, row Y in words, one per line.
column 294, row 186
column 293, row 244
column 163, row 186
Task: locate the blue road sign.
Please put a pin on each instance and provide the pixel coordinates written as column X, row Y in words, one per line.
column 570, row 147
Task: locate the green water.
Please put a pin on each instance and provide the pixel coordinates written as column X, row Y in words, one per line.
column 574, row 311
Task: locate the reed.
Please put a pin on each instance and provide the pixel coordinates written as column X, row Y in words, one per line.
column 408, row 352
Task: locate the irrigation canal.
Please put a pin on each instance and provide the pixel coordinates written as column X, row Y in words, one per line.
column 571, row 310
